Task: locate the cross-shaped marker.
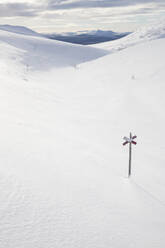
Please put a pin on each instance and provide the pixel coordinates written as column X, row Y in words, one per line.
column 130, row 141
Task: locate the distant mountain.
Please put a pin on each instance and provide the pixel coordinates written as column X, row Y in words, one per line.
column 82, row 37
column 87, row 37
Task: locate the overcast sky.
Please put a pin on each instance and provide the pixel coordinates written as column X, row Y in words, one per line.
column 75, row 15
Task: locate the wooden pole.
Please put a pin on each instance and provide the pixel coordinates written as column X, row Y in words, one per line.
column 130, row 156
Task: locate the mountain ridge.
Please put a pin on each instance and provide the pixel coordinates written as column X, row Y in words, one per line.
column 82, row 37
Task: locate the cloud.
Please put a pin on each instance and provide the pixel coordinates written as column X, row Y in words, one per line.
column 34, row 8
column 73, row 4
column 18, row 9
column 61, row 15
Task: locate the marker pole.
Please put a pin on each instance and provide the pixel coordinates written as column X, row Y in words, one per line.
column 130, row 156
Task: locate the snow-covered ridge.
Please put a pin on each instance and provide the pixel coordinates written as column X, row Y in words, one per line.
column 40, row 53
column 86, row 37
column 144, row 34
column 19, row 30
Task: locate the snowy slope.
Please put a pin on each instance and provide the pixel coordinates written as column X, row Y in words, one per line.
column 144, row 34
column 19, row 30
column 63, row 169
column 41, row 54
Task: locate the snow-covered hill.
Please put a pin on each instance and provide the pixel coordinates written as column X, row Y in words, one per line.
column 19, row 30
column 40, row 53
column 144, row 34
column 63, row 169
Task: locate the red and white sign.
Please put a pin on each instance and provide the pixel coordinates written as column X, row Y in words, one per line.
column 129, row 140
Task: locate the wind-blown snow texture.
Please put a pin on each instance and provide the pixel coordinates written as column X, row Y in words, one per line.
column 145, row 34
column 63, row 169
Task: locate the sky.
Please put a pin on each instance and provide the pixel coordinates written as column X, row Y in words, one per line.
column 48, row 16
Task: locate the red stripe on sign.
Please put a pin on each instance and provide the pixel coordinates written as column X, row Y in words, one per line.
column 133, row 142
column 134, row 137
column 125, row 143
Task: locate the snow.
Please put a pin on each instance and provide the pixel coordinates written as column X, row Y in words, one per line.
column 19, row 30
column 43, row 54
column 144, row 34
column 63, row 169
